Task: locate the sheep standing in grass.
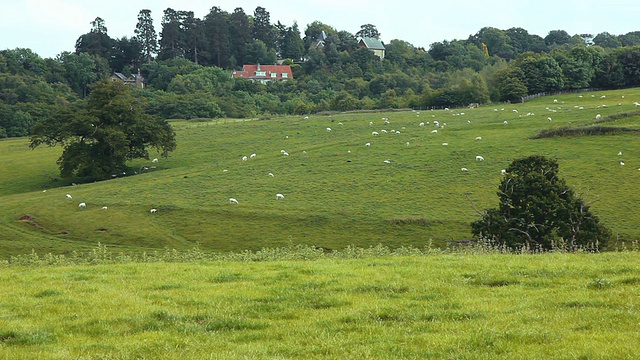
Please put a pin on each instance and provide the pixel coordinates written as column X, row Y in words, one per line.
column 82, row 205
column 279, row 197
column 69, row 196
column 155, row 160
column 479, row 158
column 233, row 201
column 464, row 170
column 153, row 211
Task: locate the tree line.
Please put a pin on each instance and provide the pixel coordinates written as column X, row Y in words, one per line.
column 187, row 67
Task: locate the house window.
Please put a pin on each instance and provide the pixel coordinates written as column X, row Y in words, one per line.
column 274, row 75
column 261, row 73
column 285, row 75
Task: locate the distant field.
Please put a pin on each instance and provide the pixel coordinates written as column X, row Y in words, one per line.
column 439, row 306
column 338, row 192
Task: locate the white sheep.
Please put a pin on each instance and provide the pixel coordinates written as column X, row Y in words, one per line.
column 271, row 175
column 69, row 196
column 367, row 144
column 306, row 118
column 555, row 100
column 619, row 153
column 285, row 153
column 445, row 144
column 244, row 158
column 505, row 122
column 155, row 160
column 434, row 131
column 370, row 123
column 153, row 211
column 422, row 124
column 598, row 117
column 383, row 131
column 375, row 133
column 515, row 111
column 279, row 197
column 328, row 129
column 503, row 171
column 464, row 170
column 478, row 138
column 82, row 205
column 622, row 163
column 603, row 96
column 252, row 156
column 479, row 158
column 233, row 201
column 103, row 208
column 340, row 124
column 408, row 143
column 549, row 118
column 387, row 161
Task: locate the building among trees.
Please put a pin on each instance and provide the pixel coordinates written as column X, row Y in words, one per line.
column 264, row 73
column 136, row 80
column 373, row 44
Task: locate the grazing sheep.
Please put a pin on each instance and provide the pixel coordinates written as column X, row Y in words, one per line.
column 153, row 211
column 515, row 111
column 340, row 124
column 479, row 138
column 637, row 104
column 464, row 170
column 279, row 197
column 549, row 118
column 271, row 175
column 383, row 131
column 82, row 205
column 367, row 144
column 328, row 129
column 622, row 163
column 233, row 201
column 422, row 124
column 603, row 96
column 69, row 196
column 397, row 132
column 598, row 117
column 619, row 153
column 387, row 161
column 244, row 158
column 285, row 153
column 555, row 100
column 479, row 158
column 370, row 123
column 503, row 171
column 505, row 122
column 408, row 143
column 375, row 133
column 434, row 131
column 103, row 208
column 445, row 144
column 252, row 156
column 306, row 118
column 155, row 160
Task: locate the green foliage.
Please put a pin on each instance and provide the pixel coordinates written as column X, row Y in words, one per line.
column 99, row 138
column 538, row 209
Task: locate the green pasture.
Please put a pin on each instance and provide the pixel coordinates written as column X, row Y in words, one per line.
column 437, row 306
column 338, row 192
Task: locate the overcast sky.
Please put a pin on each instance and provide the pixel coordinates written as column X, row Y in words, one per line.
column 49, row 27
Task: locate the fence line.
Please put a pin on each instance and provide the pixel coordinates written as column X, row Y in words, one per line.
column 524, row 99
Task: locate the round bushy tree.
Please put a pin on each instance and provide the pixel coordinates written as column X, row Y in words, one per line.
column 537, row 210
column 102, row 133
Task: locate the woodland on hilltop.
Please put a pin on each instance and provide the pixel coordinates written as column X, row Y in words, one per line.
column 187, row 64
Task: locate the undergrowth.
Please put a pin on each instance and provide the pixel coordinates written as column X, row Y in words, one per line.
column 101, row 254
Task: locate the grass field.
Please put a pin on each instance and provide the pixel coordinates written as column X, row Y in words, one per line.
column 338, row 192
column 433, row 306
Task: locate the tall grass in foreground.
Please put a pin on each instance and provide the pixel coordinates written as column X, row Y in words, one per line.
column 357, row 304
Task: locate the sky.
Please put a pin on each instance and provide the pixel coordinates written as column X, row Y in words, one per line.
column 50, row 27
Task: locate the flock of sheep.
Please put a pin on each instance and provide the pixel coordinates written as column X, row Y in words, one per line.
column 437, row 126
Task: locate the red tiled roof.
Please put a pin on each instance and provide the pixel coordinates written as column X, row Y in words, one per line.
column 250, row 72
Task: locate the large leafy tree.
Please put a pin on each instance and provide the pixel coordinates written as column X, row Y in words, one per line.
column 217, row 37
column 538, row 209
column 171, row 37
column 97, row 41
column 262, row 29
column 146, row 34
column 368, row 30
column 240, row 27
column 98, row 137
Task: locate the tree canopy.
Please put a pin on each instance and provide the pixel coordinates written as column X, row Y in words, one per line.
column 538, row 210
column 99, row 136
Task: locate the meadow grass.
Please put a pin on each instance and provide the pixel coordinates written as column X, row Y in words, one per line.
column 338, row 192
column 430, row 306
